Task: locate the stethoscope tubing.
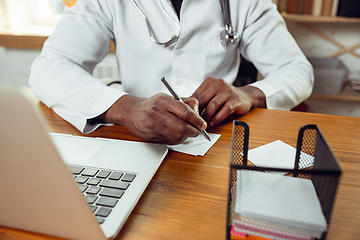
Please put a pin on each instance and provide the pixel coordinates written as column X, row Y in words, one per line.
column 151, row 32
column 228, row 35
column 225, row 7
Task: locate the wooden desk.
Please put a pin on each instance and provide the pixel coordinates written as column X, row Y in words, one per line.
column 187, row 197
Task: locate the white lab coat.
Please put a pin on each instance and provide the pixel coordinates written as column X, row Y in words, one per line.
column 61, row 75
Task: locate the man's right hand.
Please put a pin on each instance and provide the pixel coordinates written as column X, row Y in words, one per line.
column 159, row 119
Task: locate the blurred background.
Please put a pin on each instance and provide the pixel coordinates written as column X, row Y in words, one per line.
column 325, row 30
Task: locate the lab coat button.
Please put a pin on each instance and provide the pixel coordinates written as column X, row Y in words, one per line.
column 179, row 53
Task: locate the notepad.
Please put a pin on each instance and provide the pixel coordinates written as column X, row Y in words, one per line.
column 277, row 206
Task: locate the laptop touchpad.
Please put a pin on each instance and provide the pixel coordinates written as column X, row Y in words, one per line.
column 78, row 149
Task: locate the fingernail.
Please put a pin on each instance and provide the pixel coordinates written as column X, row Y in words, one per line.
column 204, row 126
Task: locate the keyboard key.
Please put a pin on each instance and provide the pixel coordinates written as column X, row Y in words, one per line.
column 115, row 175
column 128, row 177
column 75, row 170
column 103, row 212
column 100, row 220
column 81, row 179
column 109, row 192
column 103, row 174
column 93, row 208
column 82, row 187
column 93, row 190
column 93, row 181
column 106, row 202
column 113, row 184
column 90, row 199
column 101, row 189
column 90, row 172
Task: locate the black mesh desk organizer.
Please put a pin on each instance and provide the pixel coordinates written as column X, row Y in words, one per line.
column 324, row 174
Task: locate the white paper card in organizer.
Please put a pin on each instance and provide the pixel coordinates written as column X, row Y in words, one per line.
column 278, row 154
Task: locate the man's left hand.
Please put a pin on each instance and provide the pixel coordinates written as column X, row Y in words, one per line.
column 221, row 99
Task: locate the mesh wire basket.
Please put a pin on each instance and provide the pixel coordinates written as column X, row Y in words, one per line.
column 280, row 203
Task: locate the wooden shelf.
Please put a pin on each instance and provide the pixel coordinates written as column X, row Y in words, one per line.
column 347, row 94
column 26, row 37
column 311, row 18
column 29, row 37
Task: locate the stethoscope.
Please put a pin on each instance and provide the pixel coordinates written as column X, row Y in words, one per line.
column 227, row 35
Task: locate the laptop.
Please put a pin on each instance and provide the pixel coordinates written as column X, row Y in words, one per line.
column 63, row 185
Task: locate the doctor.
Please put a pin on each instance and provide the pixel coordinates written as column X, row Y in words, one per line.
column 180, row 40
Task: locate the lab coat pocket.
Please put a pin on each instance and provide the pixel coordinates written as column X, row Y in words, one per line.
column 221, row 62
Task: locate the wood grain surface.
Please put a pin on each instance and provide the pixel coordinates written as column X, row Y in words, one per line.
column 187, row 197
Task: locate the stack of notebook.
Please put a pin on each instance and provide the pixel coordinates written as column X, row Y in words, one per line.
column 275, row 207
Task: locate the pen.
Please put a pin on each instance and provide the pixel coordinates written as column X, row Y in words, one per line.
column 171, row 90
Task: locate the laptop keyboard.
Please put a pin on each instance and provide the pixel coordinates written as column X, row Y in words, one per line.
column 101, row 188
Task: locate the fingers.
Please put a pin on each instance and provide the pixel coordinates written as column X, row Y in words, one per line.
column 220, row 99
column 193, row 103
column 203, row 87
column 214, row 92
column 219, row 108
column 166, row 123
column 213, row 95
column 189, row 114
column 178, row 131
column 162, row 119
column 205, row 92
column 169, row 133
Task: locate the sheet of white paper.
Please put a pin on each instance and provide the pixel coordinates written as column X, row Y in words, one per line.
column 196, row 146
column 276, row 154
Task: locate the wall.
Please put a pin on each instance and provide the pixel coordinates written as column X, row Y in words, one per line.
column 313, row 45
column 347, row 34
column 15, row 66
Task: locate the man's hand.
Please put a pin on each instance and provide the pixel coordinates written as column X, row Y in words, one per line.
column 221, row 99
column 160, row 118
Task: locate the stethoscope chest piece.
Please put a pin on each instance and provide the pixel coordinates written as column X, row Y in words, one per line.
column 228, row 35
